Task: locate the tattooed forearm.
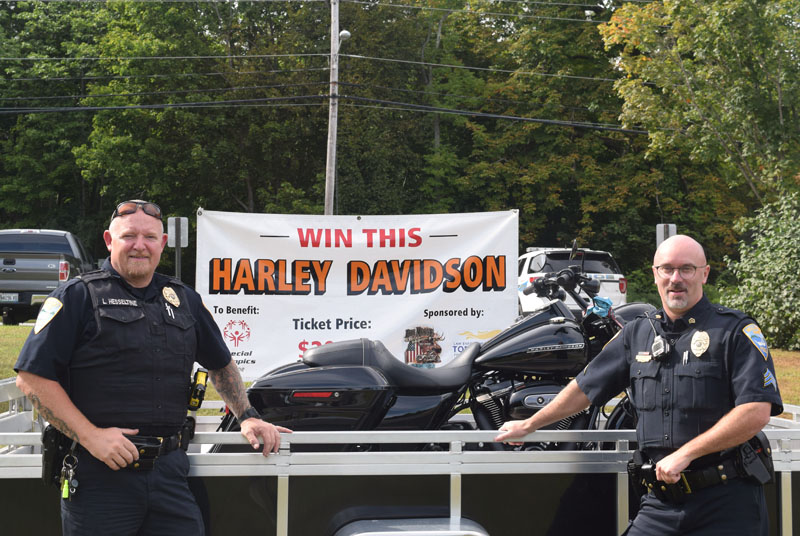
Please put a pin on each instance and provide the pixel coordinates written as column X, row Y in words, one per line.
column 50, row 417
column 228, row 383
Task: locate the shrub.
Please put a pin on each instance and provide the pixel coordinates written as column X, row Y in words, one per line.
column 767, row 286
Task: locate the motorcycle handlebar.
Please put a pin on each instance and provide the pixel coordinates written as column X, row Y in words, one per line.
column 550, row 286
column 530, row 289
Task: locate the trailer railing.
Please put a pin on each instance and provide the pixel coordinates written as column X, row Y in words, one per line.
column 449, row 453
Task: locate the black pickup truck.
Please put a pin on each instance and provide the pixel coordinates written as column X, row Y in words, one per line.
column 33, row 262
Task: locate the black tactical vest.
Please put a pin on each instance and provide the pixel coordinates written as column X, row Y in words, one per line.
column 683, row 395
column 135, row 372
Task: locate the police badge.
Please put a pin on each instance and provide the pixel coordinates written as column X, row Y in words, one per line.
column 171, row 297
column 700, row 343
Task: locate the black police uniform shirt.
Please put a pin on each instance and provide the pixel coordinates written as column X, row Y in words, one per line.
column 126, row 362
column 718, row 359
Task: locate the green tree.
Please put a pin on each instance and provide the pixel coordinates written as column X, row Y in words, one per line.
column 180, row 108
column 766, row 271
column 40, row 183
column 719, row 80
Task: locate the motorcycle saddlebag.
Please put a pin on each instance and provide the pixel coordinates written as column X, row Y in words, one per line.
column 323, row 398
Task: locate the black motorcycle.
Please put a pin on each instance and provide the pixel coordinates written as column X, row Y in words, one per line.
column 359, row 385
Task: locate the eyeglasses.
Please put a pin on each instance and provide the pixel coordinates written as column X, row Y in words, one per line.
column 129, row 207
column 687, row 271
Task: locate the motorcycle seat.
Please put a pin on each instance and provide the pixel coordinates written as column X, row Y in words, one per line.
column 369, row 353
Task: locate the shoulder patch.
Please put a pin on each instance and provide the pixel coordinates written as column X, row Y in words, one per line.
column 753, row 332
column 49, row 310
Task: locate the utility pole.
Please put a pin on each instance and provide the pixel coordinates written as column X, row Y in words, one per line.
column 333, row 106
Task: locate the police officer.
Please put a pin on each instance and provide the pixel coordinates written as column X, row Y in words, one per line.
column 108, row 363
column 702, row 382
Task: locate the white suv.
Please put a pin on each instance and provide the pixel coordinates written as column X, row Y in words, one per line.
column 599, row 265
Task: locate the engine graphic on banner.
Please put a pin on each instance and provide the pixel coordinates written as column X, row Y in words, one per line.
column 423, row 348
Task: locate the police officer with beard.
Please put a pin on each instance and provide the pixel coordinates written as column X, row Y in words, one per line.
column 703, row 384
column 108, row 363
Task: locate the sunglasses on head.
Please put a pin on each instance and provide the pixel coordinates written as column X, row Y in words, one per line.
column 129, row 207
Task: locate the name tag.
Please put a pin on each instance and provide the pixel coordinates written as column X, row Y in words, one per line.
column 119, row 301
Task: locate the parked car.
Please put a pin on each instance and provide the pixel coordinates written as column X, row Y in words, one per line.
column 600, row 265
column 33, row 262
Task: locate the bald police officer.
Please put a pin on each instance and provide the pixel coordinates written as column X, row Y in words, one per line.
column 702, row 381
column 108, row 363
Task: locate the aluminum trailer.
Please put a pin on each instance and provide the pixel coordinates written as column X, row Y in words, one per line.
column 448, row 489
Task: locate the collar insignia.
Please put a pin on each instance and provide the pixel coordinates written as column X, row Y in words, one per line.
column 170, row 296
column 700, row 343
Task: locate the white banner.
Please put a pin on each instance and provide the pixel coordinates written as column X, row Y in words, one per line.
column 426, row 286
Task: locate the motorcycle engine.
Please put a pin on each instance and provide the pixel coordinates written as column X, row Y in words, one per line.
column 490, row 404
column 526, row 401
column 501, row 401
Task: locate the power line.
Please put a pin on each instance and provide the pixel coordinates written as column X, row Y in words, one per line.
column 472, row 12
column 169, row 1
column 151, row 93
column 276, row 86
column 556, row 122
column 457, row 96
column 556, row 4
column 88, row 58
column 487, row 69
column 353, row 56
column 549, row 4
column 260, row 101
column 168, row 75
column 563, row 4
column 59, row 109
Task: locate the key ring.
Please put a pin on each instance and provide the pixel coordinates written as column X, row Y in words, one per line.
column 70, row 461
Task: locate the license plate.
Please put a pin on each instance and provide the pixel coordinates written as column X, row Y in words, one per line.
column 9, row 297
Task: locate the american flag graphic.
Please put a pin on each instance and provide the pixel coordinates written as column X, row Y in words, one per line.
column 412, row 351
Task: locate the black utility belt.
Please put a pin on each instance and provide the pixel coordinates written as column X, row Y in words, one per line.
column 643, row 478
column 751, row 460
column 56, row 447
column 151, row 447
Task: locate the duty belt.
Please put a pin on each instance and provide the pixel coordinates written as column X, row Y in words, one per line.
column 151, row 447
column 642, row 472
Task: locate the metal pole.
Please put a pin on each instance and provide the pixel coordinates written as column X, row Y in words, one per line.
column 178, row 248
column 333, row 110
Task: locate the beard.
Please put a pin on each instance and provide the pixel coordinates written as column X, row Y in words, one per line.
column 137, row 268
column 680, row 301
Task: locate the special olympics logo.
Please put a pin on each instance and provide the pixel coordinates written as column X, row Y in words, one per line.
column 236, row 331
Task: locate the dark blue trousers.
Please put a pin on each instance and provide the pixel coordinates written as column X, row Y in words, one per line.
column 132, row 503
column 731, row 509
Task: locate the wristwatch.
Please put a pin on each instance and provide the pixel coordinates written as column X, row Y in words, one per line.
column 249, row 413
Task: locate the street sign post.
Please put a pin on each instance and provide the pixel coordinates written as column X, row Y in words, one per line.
column 178, row 233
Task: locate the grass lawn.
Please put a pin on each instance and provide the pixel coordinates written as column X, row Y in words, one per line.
column 787, row 369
